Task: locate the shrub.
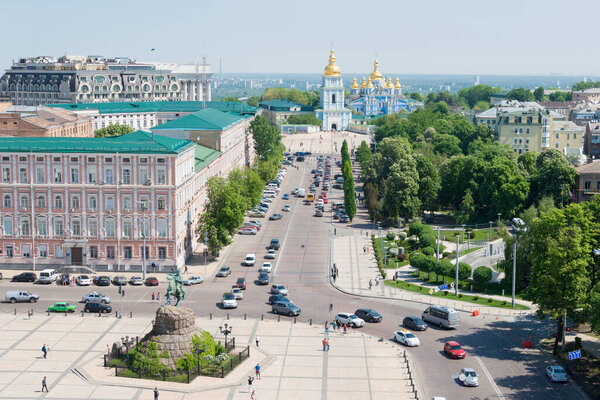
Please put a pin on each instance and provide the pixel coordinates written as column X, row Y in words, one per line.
column 442, row 248
column 482, row 275
column 401, row 256
column 393, row 251
column 416, row 228
column 460, row 295
column 402, row 235
column 445, row 293
column 578, row 343
column 475, row 298
column 427, row 240
column 490, row 300
column 390, row 236
column 428, row 251
column 446, row 254
column 504, row 303
column 464, row 271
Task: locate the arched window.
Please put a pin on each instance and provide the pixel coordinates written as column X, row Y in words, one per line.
column 333, row 98
column 41, row 202
column 75, row 202
column 58, row 202
column 7, row 201
column 24, row 201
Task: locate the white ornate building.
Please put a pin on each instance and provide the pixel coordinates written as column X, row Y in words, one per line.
column 332, row 111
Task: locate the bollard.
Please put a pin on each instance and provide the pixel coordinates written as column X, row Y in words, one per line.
column 105, row 360
column 210, row 315
column 15, row 311
column 81, row 313
column 130, row 314
column 99, row 314
column 310, row 322
column 65, row 313
column 262, row 317
column 227, row 315
column 48, row 312
column 278, row 317
column 244, row 316
column 116, row 372
column 294, row 319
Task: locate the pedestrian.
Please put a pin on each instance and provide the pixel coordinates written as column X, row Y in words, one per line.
column 364, row 249
column 153, row 296
column 326, row 327
column 257, row 340
column 44, row 350
column 335, row 231
column 158, row 296
column 370, row 284
column 377, row 281
column 345, row 328
column 44, row 385
column 155, row 393
column 186, row 270
column 324, row 344
column 257, row 370
column 250, row 379
column 107, row 349
column 334, row 325
column 334, row 276
column 253, row 395
column 29, row 313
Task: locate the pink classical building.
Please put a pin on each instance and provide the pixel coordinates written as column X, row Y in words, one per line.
column 95, row 201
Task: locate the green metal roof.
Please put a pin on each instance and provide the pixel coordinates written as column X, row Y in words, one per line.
column 282, row 105
column 207, row 119
column 160, row 106
column 134, row 142
column 204, row 156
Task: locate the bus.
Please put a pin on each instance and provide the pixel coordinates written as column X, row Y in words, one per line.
column 442, row 316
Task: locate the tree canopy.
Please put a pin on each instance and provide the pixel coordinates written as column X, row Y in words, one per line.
column 113, row 130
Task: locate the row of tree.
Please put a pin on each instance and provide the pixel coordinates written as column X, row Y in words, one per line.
column 349, row 193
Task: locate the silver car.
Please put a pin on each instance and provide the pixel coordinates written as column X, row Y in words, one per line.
column 193, row 280
column 350, row 320
column 468, row 377
column 224, row 271
column 95, row 298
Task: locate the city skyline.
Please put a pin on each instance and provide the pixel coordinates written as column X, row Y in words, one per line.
column 273, row 37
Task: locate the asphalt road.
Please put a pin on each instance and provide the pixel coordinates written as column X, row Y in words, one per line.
column 506, row 371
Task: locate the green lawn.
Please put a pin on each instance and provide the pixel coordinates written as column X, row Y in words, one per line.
column 452, row 255
column 480, row 235
column 461, row 297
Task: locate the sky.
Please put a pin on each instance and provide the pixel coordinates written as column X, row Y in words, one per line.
column 513, row 37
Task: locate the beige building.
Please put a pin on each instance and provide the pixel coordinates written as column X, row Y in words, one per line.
column 523, row 131
column 592, row 94
column 566, row 134
column 588, row 181
column 24, row 121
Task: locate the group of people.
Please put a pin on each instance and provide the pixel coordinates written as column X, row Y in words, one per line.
column 371, row 282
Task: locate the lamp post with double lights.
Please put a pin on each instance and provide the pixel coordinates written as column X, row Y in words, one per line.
column 198, row 349
column 225, row 331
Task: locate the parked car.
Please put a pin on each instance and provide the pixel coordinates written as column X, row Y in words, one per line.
column 62, row 307
column 275, row 217
column 247, row 231
column 274, row 244
column 468, row 377
column 556, row 373
column 25, row 277
column 21, row 296
column 368, row 315
column 279, row 289
column 415, row 323
column 228, row 300
column 238, row 293
column 193, row 280
column 97, row 308
column 223, row 272
column 151, row 281
column 318, row 213
column 454, row 350
column 406, row 337
column 240, row 283
column 350, row 320
column 265, row 267
column 256, row 214
column 102, row 281
column 285, row 308
column 250, row 260
column 263, row 278
column 119, row 281
column 83, row 280
column 95, row 298
column 277, row 297
column 271, row 254
column 344, row 218
column 136, row 281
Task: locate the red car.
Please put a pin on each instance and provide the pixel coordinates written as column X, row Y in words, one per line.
column 454, row 350
column 240, row 283
column 151, row 281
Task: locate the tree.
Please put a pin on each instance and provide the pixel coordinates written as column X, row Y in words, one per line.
column 464, row 271
column 560, row 96
column 401, row 199
column 478, row 93
column 364, row 154
column 445, row 268
column 520, row 94
column 310, row 98
column 583, row 85
column 344, row 152
column 481, row 275
column 466, row 212
column 113, row 130
column 303, row 119
column 233, row 99
column 447, row 144
column 267, row 139
column 253, row 101
column 555, row 176
column 538, row 94
column 429, row 182
column 349, row 194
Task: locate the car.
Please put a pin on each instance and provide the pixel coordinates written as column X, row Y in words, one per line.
column 266, row 267
column 136, row 281
column 336, row 216
column 406, row 338
column 350, row 320
column 295, row 191
column 277, row 297
column 256, row 214
column 556, row 373
column 318, row 213
column 287, row 162
column 266, row 200
column 62, row 307
column 263, row 278
column 193, row 280
column 119, row 280
column 228, row 300
column 65, row 279
column 279, row 289
column 97, row 308
column 286, row 308
column 255, row 223
column 249, row 260
column 415, row 323
column 251, row 226
column 314, row 171
column 83, row 280
column 21, row 296
column 286, row 196
column 286, row 208
column 368, row 315
column 275, row 217
column 468, row 377
column 337, row 186
column 25, row 277
column 344, row 218
column 454, row 349
column 102, row 281
column 238, row 293
column 247, row 231
column 223, row 272
column 151, row 281
column 95, row 298
column 240, row 283
column 325, row 200
column 274, row 244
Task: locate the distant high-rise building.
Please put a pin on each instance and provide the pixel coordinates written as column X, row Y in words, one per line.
column 477, row 80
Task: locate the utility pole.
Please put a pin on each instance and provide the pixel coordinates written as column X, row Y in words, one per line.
column 514, row 274
column 437, row 252
column 143, row 206
column 206, row 250
column 456, row 276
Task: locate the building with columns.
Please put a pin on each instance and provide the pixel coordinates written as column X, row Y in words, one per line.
column 94, row 201
column 332, row 110
column 195, row 79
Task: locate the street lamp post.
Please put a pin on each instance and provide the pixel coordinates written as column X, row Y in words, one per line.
column 490, row 239
column 198, row 349
column 437, row 252
column 456, row 275
column 514, row 273
column 143, row 207
column 499, row 215
column 225, row 331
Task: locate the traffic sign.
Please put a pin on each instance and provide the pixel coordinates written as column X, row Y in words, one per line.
column 574, row 354
column 431, row 291
column 443, row 287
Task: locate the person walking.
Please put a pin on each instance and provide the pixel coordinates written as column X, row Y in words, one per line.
column 376, row 281
column 257, row 340
column 29, row 313
column 45, row 350
column 335, row 231
column 326, row 327
column 153, row 296
column 158, row 296
column 155, row 393
column 324, row 344
column 250, row 379
column 364, row 249
column 257, row 370
column 185, row 270
column 345, row 328
column 334, row 325
column 44, row 385
column 370, row 284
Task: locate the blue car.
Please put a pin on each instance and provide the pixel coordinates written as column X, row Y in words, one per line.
column 286, row 196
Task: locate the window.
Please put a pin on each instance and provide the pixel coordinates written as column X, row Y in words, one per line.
column 161, row 204
column 43, row 250
column 22, row 175
column 22, row 158
column 127, row 203
column 110, row 203
column 91, row 174
column 7, row 224
column 598, row 186
column 161, row 227
column 127, row 228
column 556, row 145
column 110, row 228
column 76, row 227
column 59, row 227
column 40, row 175
column 126, row 176
column 6, row 202
column 588, row 185
column 162, row 253
column 58, row 203
column 24, row 202
column 110, row 252
column 143, row 160
column 143, row 176
column 26, row 250
column 145, row 227
column 557, row 135
column 25, row 227
column 127, row 252
column 160, row 176
column 527, row 130
column 574, row 136
column 41, row 201
column 145, row 254
column 42, row 226
column 93, row 202
column 57, row 174
column 75, row 202
column 109, row 175
column 9, row 251
column 5, row 175
column 516, row 140
column 74, row 175
column 144, row 202
column 93, row 228
column 93, row 252
column 58, row 250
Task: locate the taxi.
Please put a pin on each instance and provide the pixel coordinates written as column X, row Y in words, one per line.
column 406, row 338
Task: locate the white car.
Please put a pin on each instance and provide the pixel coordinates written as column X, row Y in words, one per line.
column 279, row 289
column 136, row 281
column 228, row 300
column 287, row 208
column 237, row 292
column 250, row 259
column 468, row 377
column 295, row 191
column 247, row 231
column 193, row 280
column 271, row 254
column 266, row 267
column 266, row 200
column 254, row 222
column 556, row 373
column 83, row 280
column 350, row 320
column 407, row 338
column 95, row 298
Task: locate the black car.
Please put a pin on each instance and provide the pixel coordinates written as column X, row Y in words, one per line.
column 368, row 315
column 263, row 279
column 415, row 323
column 97, row 308
column 274, row 244
column 25, row 277
column 300, row 159
column 102, row 281
column 277, row 297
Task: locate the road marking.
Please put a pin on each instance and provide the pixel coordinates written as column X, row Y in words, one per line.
column 489, row 376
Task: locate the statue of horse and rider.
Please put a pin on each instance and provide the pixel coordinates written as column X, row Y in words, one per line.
column 175, row 288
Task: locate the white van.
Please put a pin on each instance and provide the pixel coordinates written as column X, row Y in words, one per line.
column 301, row 192
column 48, row 276
column 269, row 194
column 442, row 316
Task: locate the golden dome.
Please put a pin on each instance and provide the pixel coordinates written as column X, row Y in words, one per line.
column 332, row 69
column 363, row 84
column 369, row 84
column 354, row 84
column 376, row 75
column 389, row 84
column 397, row 85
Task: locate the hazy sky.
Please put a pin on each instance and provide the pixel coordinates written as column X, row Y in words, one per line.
column 419, row 36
